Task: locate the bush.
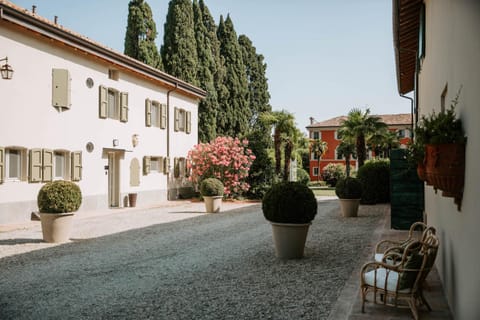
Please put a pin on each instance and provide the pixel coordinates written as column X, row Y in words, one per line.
column 375, row 177
column 348, row 188
column 211, row 187
column 59, row 197
column 303, row 176
column 332, row 172
column 289, row 202
column 317, row 184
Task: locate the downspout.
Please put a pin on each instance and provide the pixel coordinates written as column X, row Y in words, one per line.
column 168, row 139
column 411, row 109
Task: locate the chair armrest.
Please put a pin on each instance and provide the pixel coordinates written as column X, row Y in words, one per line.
column 383, row 245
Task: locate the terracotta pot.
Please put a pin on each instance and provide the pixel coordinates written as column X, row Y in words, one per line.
column 421, row 171
column 289, row 239
column 132, row 199
column 56, row 227
column 213, row 204
column 349, row 207
column 445, row 167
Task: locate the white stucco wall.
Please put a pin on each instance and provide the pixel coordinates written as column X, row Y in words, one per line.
column 453, row 59
column 28, row 120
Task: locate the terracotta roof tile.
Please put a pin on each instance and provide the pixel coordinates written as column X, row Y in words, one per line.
column 389, row 119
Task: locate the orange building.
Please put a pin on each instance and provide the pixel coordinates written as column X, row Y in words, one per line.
column 327, row 131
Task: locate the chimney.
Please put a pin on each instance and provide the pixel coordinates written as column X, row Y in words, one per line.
column 55, row 19
column 312, row 120
column 34, row 9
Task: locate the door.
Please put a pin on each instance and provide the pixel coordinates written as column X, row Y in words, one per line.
column 113, row 180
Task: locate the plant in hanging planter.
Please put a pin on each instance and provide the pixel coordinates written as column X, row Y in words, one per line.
column 444, row 139
column 212, row 190
column 56, row 202
column 415, row 155
column 289, row 207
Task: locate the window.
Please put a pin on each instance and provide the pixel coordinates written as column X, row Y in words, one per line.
column 315, row 171
column 113, row 104
column 316, row 135
column 313, row 156
column 403, row 133
column 152, row 163
column 337, row 136
column 155, row 114
column 338, row 156
column 13, row 163
column 61, row 165
column 183, row 120
column 179, row 167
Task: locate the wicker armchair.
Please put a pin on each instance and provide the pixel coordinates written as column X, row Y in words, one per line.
column 399, row 282
column 418, row 232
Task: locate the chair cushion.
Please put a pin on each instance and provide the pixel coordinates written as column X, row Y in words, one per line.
column 407, row 278
column 378, row 257
column 391, row 282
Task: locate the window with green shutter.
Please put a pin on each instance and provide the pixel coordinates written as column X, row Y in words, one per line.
column 155, row 114
column 36, row 168
column 148, row 112
column 146, row 165
column 188, row 120
column 124, row 107
column 76, row 165
column 102, row 102
column 2, row 165
column 177, row 119
column 163, row 116
column 166, row 167
column 47, row 165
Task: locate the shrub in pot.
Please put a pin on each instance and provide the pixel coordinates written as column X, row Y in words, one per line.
column 212, row 190
column 349, row 191
column 57, row 200
column 289, row 207
column 375, row 178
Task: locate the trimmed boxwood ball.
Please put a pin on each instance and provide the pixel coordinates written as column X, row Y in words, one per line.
column 375, row 178
column 289, row 202
column 59, row 197
column 349, row 188
column 211, row 187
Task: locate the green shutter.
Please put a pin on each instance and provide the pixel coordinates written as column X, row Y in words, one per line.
column 35, row 165
column 188, row 122
column 2, row 164
column 176, row 168
column 124, row 106
column 166, row 165
column 76, row 166
column 102, row 102
column 146, row 165
column 176, row 113
column 47, row 161
column 163, row 116
column 148, row 112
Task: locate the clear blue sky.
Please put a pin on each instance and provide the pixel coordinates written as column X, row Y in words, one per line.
column 324, row 57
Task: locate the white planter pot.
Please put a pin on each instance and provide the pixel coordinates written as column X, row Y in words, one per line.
column 56, row 227
column 213, row 204
column 349, row 207
column 289, row 239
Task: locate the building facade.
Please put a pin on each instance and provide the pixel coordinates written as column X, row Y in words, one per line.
column 328, row 131
column 444, row 57
column 76, row 110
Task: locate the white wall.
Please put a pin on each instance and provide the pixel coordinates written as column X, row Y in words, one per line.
column 28, row 120
column 453, row 58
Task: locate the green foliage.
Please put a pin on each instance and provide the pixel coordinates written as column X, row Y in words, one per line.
column 141, row 33
column 234, row 116
column 375, row 177
column 415, row 153
column 211, row 187
column 261, row 172
column 59, row 197
column 332, row 172
column 179, row 49
column 349, row 188
column 317, row 184
column 303, row 176
column 289, row 202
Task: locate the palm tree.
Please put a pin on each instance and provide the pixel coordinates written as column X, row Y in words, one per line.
column 284, row 131
column 346, row 149
column 357, row 127
column 319, row 148
column 382, row 141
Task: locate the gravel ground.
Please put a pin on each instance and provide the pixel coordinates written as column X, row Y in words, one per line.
column 219, row 266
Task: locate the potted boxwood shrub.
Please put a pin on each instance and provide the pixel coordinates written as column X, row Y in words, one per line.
column 444, row 139
column 211, row 190
column 349, row 191
column 57, row 201
column 290, row 208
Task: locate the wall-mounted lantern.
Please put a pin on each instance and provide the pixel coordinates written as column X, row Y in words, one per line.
column 6, row 70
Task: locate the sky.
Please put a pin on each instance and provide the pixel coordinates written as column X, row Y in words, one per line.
column 323, row 57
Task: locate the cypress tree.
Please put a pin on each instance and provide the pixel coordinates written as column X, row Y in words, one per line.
column 179, row 49
column 141, row 33
column 207, row 45
column 234, row 113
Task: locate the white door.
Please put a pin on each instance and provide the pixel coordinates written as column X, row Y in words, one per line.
column 113, row 180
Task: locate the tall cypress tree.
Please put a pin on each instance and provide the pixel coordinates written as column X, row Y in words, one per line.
column 179, row 49
column 207, row 44
column 141, row 33
column 234, row 111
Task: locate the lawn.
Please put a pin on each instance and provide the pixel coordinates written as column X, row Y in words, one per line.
column 324, row 191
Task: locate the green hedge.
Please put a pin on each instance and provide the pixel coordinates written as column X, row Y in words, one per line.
column 375, row 177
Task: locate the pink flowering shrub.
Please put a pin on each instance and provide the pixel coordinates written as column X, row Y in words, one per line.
column 224, row 158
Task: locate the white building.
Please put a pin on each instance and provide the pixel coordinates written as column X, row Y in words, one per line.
column 437, row 46
column 76, row 110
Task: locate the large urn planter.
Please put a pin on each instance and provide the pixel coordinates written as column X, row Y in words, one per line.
column 349, row 207
column 290, row 208
column 56, row 228
column 57, row 201
column 289, row 239
column 213, row 204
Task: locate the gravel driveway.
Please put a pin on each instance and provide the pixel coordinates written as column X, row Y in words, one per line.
column 219, row 266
